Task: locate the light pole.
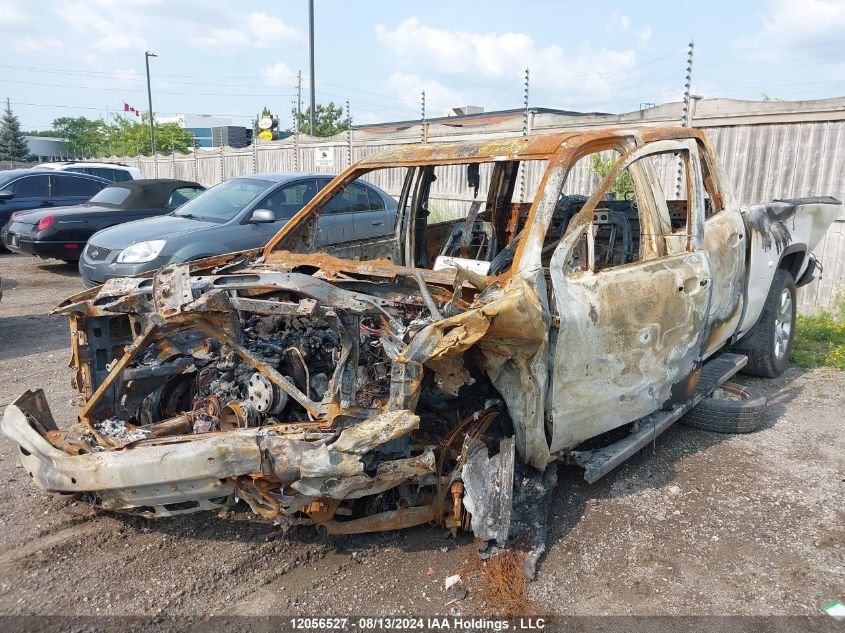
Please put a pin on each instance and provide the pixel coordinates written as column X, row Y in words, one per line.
column 147, row 55
column 311, row 53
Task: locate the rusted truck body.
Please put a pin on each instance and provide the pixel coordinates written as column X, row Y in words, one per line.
column 405, row 380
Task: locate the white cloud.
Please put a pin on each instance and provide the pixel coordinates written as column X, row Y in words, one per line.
column 12, row 15
column 123, row 4
column 278, row 75
column 438, row 97
column 792, row 29
column 618, row 22
column 645, row 34
column 257, row 30
column 803, row 21
column 106, row 35
column 29, row 45
column 473, row 61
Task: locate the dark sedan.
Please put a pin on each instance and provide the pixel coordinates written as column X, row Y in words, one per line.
column 235, row 215
column 26, row 189
column 62, row 232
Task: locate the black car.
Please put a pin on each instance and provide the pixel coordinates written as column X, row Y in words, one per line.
column 62, row 232
column 26, row 189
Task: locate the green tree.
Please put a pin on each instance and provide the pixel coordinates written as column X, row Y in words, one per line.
column 623, row 186
column 126, row 137
column 12, row 143
column 768, row 97
column 85, row 137
column 328, row 120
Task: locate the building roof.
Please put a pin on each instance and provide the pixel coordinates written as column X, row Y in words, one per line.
column 468, row 120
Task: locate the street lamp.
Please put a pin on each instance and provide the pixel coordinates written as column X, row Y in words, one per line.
column 147, row 55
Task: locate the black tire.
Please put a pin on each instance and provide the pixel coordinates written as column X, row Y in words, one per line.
column 769, row 344
column 732, row 408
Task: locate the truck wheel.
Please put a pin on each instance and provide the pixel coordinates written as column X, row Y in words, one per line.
column 732, row 408
column 770, row 343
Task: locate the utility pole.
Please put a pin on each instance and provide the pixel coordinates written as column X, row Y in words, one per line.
column 311, row 53
column 147, row 55
column 423, row 135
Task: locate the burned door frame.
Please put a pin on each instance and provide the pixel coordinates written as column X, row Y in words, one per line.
column 636, row 327
column 389, row 246
column 725, row 243
column 499, row 190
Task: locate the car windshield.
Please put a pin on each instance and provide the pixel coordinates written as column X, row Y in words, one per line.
column 225, row 201
column 110, row 195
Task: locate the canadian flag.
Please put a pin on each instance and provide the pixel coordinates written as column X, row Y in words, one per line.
column 129, row 108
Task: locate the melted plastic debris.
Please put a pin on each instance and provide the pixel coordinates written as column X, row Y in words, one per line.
column 117, row 429
column 204, row 423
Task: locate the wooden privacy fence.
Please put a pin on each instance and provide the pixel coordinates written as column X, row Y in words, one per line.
column 759, row 161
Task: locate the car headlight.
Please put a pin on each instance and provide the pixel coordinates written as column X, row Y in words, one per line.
column 141, row 252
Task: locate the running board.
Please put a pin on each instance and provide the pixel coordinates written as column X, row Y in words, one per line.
column 597, row 463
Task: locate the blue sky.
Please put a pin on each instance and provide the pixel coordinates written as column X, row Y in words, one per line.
column 82, row 57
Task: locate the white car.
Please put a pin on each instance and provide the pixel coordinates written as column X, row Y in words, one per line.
column 116, row 172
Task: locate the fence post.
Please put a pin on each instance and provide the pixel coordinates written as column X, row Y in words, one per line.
column 348, row 135
column 222, row 164
column 254, row 155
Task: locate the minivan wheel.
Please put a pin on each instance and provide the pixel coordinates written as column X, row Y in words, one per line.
column 731, row 408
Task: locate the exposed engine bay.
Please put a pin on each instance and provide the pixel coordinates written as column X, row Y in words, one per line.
column 339, row 413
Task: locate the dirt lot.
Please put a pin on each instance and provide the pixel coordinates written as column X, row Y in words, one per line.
column 702, row 524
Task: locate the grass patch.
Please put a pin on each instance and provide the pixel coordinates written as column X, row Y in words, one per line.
column 820, row 341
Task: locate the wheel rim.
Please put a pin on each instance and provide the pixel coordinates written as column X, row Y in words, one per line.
column 783, row 323
column 729, row 392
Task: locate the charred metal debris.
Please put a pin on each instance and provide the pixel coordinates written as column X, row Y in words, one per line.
column 324, row 400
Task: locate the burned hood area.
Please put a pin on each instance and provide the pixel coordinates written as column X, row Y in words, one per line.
column 326, row 395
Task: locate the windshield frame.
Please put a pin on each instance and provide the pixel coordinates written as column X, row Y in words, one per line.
column 193, row 208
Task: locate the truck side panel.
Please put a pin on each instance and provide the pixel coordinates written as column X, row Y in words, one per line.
column 779, row 230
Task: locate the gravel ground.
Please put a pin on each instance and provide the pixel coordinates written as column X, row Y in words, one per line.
column 701, row 523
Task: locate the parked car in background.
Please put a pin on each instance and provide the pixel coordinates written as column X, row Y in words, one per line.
column 236, row 215
column 62, row 232
column 116, row 172
column 26, row 189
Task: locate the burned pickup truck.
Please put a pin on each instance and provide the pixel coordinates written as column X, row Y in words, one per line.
column 529, row 309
